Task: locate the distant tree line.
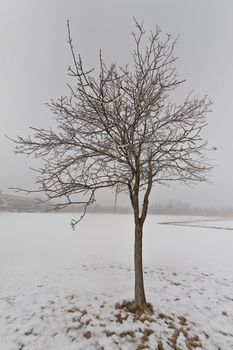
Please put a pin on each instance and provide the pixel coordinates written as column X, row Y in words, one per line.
column 168, row 208
column 30, row 204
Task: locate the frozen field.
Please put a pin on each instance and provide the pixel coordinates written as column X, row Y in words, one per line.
column 58, row 288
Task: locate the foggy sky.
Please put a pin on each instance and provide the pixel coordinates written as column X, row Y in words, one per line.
column 35, row 57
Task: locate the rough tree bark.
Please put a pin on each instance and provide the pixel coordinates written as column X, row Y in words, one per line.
column 139, row 220
column 139, row 291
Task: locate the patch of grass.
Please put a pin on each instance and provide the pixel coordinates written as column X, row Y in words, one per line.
column 160, row 345
column 109, row 333
column 87, row 335
column 29, row 332
column 83, row 312
column 127, row 333
column 136, row 310
column 191, row 342
column 72, row 310
column 146, row 333
column 183, row 320
column 120, row 318
column 165, row 317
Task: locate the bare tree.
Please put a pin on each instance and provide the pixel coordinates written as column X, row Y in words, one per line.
column 120, row 129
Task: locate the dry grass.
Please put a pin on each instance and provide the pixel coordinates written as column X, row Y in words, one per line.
column 87, row 334
column 136, row 310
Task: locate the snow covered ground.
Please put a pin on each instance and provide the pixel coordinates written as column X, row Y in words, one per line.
column 59, row 288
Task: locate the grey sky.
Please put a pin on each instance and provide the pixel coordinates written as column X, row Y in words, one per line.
column 35, row 56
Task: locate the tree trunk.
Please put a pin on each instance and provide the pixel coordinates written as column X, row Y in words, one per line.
column 140, row 299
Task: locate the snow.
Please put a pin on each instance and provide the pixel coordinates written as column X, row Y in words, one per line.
column 58, row 288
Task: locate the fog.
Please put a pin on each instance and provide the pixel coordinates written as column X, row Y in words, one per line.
column 35, row 57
